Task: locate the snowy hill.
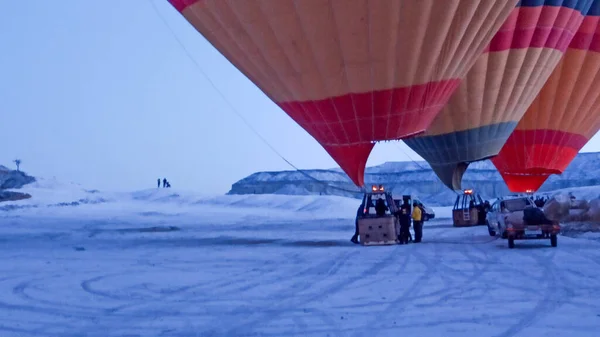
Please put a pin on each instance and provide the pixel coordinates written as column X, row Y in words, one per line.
column 11, row 179
column 51, row 197
column 415, row 178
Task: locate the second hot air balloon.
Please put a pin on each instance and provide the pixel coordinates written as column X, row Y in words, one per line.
column 486, row 108
column 352, row 72
column 563, row 117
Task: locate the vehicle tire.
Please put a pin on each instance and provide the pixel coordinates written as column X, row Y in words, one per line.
column 504, row 235
column 490, row 230
column 511, row 243
column 554, row 240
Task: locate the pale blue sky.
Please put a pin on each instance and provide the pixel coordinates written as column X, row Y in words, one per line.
column 100, row 93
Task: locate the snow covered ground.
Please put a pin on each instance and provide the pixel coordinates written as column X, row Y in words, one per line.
column 172, row 263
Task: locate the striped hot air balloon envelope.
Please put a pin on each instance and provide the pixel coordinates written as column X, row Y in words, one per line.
column 564, row 115
column 352, row 72
column 496, row 92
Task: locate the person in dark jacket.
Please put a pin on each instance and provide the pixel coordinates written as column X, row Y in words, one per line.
column 404, row 222
column 482, row 213
column 164, row 182
column 359, row 212
column 158, row 182
column 380, row 207
column 486, row 209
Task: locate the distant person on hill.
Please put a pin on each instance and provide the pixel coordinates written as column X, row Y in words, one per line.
column 164, row 182
column 158, row 182
column 168, row 184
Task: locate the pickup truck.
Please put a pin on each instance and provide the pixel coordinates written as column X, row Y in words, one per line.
column 530, row 224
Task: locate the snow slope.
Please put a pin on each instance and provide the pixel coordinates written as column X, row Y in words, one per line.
column 166, row 262
column 582, row 193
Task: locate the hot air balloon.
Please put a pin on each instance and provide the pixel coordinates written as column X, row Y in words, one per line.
column 562, row 118
column 524, row 183
column 352, row 72
column 496, row 92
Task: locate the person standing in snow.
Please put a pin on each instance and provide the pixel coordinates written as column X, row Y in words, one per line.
column 164, row 182
column 158, row 182
column 417, row 215
column 482, row 210
column 404, row 222
column 359, row 212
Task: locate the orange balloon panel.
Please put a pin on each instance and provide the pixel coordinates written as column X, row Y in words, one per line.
column 565, row 114
column 485, row 109
column 352, row 72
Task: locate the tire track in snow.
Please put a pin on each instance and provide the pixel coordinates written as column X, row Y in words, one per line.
column 294, row 258
column 49, row 308
column 20, row 291
column 295, row 302
column 164, row 296
column 182, row 291
column 87, row 285
column 467, row 282
column 551, row 300
column 398, row 304
column 302, row 284
column 412, row 293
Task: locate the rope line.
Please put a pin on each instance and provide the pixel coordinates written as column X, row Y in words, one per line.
column 409, row 157
column 235, row 111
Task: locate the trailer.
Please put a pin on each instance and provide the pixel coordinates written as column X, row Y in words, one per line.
column 467, row 209
column 378, row 229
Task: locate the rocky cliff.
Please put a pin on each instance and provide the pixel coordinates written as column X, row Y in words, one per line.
column 415, row 178
column 11, row 179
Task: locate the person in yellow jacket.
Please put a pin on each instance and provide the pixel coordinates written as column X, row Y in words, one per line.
column 417, row 216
